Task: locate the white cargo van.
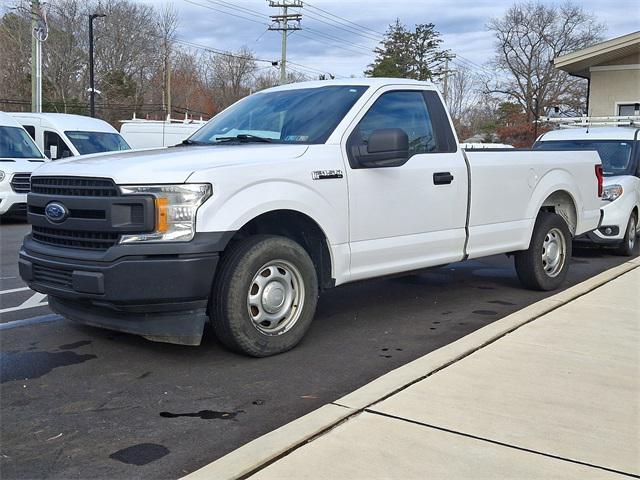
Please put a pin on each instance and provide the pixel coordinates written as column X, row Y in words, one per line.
column 619, row 149
column 61, row 135
column 19, row 156
column 158, row 133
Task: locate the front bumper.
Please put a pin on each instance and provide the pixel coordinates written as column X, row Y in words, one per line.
column 157, row 291
column 12, row 203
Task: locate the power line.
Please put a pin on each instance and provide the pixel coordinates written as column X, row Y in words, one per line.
column 333, row 44
column 225, row 12
column 340, row 27
column 344, row 19
column 340, row 40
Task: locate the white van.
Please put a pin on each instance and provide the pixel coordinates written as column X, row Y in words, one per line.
column 619, row 149
column 158, row 133
column 61, row 135
column 19, row 156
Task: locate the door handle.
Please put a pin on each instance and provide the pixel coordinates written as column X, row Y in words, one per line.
column 442, row 178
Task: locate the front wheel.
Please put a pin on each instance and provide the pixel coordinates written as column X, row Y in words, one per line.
column 629, row 241
column 264, row 296
column 544, row 265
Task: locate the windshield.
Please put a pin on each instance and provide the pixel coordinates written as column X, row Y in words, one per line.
column 16, row 143
column 615, row 154
column 306, row 115
column 97, row 142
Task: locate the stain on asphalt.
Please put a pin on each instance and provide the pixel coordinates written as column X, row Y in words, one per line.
column 140, row 454
column 258, row 402
column 448, row 312
column 144, row 375
column 485, row 312
column 30, row 365
column 500, row 302
column 204, row 414
column 484, row 287
column 73, row 346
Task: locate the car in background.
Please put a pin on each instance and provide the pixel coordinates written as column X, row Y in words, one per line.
column 19, row 157
column 61, row 135
column 158, row 133
column 619, row 149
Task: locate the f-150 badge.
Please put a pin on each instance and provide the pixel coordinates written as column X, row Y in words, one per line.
column 326, row 174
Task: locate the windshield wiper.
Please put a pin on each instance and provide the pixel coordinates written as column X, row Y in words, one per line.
column 245, row 138
column 188, row 141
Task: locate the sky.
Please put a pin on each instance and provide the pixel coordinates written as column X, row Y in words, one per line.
column 329, row 44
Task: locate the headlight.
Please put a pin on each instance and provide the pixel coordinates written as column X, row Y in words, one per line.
column 1, row 175
column 176, row 207
column 611, row 192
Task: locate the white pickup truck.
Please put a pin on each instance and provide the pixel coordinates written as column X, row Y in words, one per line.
column 290, row 191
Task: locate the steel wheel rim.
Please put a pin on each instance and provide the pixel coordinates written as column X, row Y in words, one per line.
column 632, row 233
column 554, row 248
column 275, row 297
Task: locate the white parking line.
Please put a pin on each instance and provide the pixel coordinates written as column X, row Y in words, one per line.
column 13, row 290
column 30, row 321
column 34, row 301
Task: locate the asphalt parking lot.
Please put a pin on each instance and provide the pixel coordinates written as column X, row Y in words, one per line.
column 80, row 402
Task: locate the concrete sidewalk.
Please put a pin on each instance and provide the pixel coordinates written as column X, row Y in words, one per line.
column 554, row 393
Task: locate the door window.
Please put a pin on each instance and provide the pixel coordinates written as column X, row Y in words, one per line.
column 60, row 149
column 406, row 110
column 31, row 130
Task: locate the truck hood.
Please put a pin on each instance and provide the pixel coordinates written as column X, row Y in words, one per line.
column 167, row 165
column 22, row 165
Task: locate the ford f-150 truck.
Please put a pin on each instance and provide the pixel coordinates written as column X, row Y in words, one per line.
column 290, row 191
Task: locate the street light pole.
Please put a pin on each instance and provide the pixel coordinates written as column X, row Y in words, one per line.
column 92, row 87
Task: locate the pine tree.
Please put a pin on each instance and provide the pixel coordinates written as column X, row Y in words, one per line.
column 410, row 54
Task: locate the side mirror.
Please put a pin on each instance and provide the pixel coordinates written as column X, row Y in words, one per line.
column 387, row 147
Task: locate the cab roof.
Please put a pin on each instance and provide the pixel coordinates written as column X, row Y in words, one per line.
column 366, row 82
column 67, row 122
column 593, row 133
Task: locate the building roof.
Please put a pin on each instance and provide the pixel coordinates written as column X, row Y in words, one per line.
column 578, row 63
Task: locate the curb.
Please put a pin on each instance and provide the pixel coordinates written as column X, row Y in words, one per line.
column 272, row 446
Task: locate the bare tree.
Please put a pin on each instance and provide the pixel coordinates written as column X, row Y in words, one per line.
column 528, row 38
column 232, row 76
column 463, row 94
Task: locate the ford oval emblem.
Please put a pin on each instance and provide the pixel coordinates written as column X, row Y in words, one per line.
column 56, row 212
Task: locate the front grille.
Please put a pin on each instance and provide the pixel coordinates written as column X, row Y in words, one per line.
column 21, row 182
column 52, row 276
column 74, row 238
column 74, row 186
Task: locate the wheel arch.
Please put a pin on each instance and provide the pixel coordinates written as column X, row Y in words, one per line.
column 299, row 227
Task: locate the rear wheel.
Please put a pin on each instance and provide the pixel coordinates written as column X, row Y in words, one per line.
column 629, row 241
column 264, row 296
column 544, row 265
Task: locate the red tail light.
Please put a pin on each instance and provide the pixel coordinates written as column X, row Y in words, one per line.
column 599, row 176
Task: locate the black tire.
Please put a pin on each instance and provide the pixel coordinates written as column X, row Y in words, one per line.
column 629, row 242
column 530, row 266
column 232, row 316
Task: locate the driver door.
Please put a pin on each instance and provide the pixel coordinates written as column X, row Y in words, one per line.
column 409, row 216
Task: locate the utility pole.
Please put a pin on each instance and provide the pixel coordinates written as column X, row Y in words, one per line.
column 281, row 23
column 92, row 86
column 446, row 80
column 39, row 33
column 167, row 70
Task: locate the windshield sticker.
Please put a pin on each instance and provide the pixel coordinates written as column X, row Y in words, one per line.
column 296, row 138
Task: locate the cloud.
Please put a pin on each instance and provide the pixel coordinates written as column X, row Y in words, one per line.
column 347, row 51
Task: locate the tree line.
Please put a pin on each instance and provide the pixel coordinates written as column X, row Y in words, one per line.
column 137, row 54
